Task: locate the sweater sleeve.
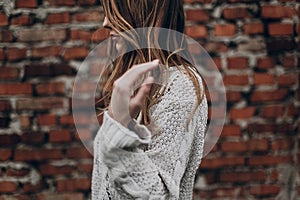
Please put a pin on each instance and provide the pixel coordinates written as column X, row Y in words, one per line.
column 156, row 171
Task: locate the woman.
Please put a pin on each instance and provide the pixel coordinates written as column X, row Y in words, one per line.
column 151, row 141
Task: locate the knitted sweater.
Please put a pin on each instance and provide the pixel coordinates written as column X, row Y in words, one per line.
column 154, row 162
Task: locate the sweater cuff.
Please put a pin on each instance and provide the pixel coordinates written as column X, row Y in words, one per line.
column 118, row 136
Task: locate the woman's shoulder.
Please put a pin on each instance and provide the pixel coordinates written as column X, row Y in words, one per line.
column 181, row 85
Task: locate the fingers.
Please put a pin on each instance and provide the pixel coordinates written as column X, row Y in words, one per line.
column 123, row 105
column 137, row 71
column 138, row 99
column 134, row 77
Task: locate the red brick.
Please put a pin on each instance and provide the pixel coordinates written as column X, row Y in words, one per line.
column 287, row 79
column 37, row 35
column 48, row 70
column 40, row 52
column 292, row 110
column 35, row 70
column 15, row 54
column 87, row 2
column 285, row 128
column 59, row 136
column 78, row 152
column 9, row 139
column 218, row 47
column 282, row 144
column 243, row 176
column 264, row 79
column 81, row 35
column 15, row 89
column 17, row 172
column 279, row 44
column 233, row 96
column 236, row 13
column 22, row 20
column 225, row 30
column 198, row 1
column 85, row 167
column 269, row 160
column 91, row 16
column 288, row 61
column 297, row 95
column 258, row 145
column 33, row 137
column 273, row 111
column 3, row 19
column 84, row 134
column 254, row 28
column 52, row 88
column 20, row 196
column 212, row 163
column 274, row 175
column 77, row 103
column 242, row 146
column 58, row 18
column 40, row 104
column 237, row 63
column 218, row 112
column 231, row 130
column 66, row 120
column 79, row 184
column 242, row 113
column 25, row 122
column 194, row 49
column 261, row 128
column 236, row 80
column 26, row 4
column 50, row 170
column 8, row 186
column 234, row 146
column 61, row 2
column 5, row 154
column 218, row 62
column 75, row 53
column 273, row 95
column 197, row 15
column 224, row 193
column 60, row 69
column 196, row 31
column 5, row 106
column 280, row 29
column 262, row 190
column 37, row 154
column 95, row 69
column 2, row 54
column 9, row 73
column 277, row 12
column 33, row 187
column 6, row 36
column 46, row 120
column 60, row 196
column 265, row 63
column 212, row 96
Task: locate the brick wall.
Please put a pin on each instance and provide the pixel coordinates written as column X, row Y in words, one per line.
column 255, row 44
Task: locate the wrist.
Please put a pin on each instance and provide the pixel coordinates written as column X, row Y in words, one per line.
column 124, row 121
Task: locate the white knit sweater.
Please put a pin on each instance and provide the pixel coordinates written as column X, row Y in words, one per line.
column 154, row 162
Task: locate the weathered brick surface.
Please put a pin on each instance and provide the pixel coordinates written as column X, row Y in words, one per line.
column 254, row 44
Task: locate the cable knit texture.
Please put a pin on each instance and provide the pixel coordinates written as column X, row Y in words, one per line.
column 154, row 162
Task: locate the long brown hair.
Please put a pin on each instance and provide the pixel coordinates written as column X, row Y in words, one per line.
column 125, row 15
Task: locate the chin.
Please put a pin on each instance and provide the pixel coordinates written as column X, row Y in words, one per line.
column 119, row 47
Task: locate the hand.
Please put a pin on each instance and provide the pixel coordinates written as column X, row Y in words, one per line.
column 123, row 106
